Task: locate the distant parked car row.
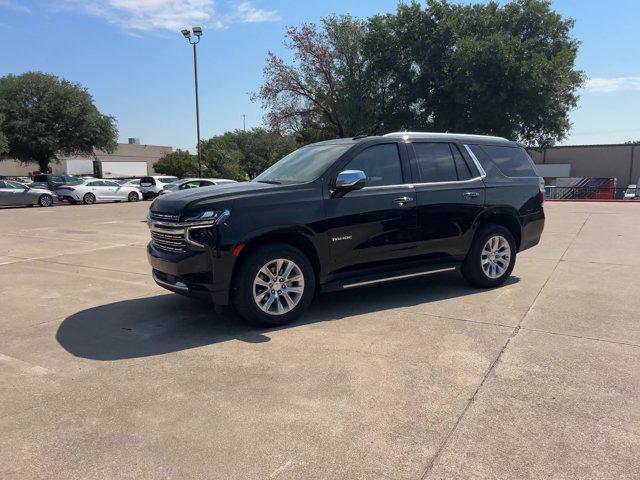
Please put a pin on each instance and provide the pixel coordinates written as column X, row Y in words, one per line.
column 45, row 190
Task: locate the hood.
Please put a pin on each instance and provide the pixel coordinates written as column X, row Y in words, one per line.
column 210, row 197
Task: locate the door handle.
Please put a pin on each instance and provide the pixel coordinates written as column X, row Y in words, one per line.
column 470, row 194
column 403, row 200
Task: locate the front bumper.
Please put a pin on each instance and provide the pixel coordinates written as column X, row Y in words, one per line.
column 192, row 273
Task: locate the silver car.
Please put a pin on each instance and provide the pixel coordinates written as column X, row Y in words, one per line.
column 189, row 183
column 15, row 193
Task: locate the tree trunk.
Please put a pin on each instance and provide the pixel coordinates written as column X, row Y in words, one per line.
column 43, row 164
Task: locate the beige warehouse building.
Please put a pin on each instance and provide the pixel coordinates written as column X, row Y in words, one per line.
column 620, row 161
column 129, row 160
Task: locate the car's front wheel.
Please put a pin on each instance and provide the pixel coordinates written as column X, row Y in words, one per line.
column 89, row 199
column 491, row 258
column 274, row 285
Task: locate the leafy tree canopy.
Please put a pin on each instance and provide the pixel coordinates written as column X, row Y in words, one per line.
column 45, row 117
column 4, row 143
column 482, row 68
column 241, row 155
column 179, row 164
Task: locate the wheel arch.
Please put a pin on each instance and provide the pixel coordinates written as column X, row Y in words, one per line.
column 295, row 236
column 505, row 217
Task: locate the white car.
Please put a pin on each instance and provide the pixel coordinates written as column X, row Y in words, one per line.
column 92, row 191
column 152, row 186
column 134, row 182
column 632, row 192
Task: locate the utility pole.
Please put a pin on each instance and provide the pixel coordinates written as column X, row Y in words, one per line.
column 197, row 32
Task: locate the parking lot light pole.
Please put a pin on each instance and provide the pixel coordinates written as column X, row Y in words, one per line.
column 197, row 32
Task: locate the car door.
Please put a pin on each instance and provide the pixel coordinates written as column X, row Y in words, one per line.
column 374, row 224
column 7, row 194
column 450, row 195
column 114, row 190
column 22, row 195
column 97, row 188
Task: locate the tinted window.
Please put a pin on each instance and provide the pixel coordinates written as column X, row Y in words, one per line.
column 304, row 164
column 147, row 181
column 2, row 185
column 435, row 162
column 488, row 166
column 461, row 165
column 380, row 163
column 191, row 184
column 512, row 161
column 206, row 183
column 167, row 179
column 95, row 184
column 15, row 185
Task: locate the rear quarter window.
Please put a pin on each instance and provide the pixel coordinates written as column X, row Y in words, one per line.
column 511, row 161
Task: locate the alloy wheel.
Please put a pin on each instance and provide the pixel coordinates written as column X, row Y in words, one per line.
column 278, row 286
column 496, row 256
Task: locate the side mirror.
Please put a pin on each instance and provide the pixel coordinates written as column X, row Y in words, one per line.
column 350, row 180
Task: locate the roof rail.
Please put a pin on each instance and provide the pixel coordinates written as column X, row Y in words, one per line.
column 438, row 134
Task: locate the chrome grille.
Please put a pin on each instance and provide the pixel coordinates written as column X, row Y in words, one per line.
column 164, row 217
column 169, row 240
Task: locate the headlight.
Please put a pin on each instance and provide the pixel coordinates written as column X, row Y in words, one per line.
column 213, row 217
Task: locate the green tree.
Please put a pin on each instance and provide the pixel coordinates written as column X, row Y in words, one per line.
column 179, row 164
column 46, row 117
column 4, row 143
column 482, row 68
column 261, row 148
column 222, row 157
column 241, row 155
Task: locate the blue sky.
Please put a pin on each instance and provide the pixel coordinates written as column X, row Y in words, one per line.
column 139, row 68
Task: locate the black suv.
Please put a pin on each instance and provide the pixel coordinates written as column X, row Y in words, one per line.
column 347, row 213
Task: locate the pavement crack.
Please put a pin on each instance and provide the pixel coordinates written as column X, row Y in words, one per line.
column 493, row 365
column 582, row 337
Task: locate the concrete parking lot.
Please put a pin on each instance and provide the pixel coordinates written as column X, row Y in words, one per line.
column 104, row 375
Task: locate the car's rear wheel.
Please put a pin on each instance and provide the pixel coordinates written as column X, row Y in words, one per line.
column 274, row 285
column 89, row 199
column 45, row 200
column 133, row 197
column 491, row 257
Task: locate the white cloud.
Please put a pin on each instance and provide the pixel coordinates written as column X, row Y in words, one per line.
column 148, row 15
column 246, row 12
column 615, row 84
column 14, row 6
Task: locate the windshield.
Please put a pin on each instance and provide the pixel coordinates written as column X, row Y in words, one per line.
column 303, row 165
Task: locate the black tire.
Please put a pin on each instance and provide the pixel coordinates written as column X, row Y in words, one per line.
column 243, row 288
column 89, row 199
column 472, row 269
column 45, row 200
column 132, row 197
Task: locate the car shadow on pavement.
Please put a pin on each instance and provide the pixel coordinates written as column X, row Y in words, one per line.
column 168, row 323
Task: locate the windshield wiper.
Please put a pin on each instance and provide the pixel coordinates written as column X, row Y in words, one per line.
column 272, row 182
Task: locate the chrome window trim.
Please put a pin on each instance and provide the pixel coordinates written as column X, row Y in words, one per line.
column 483, row 174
